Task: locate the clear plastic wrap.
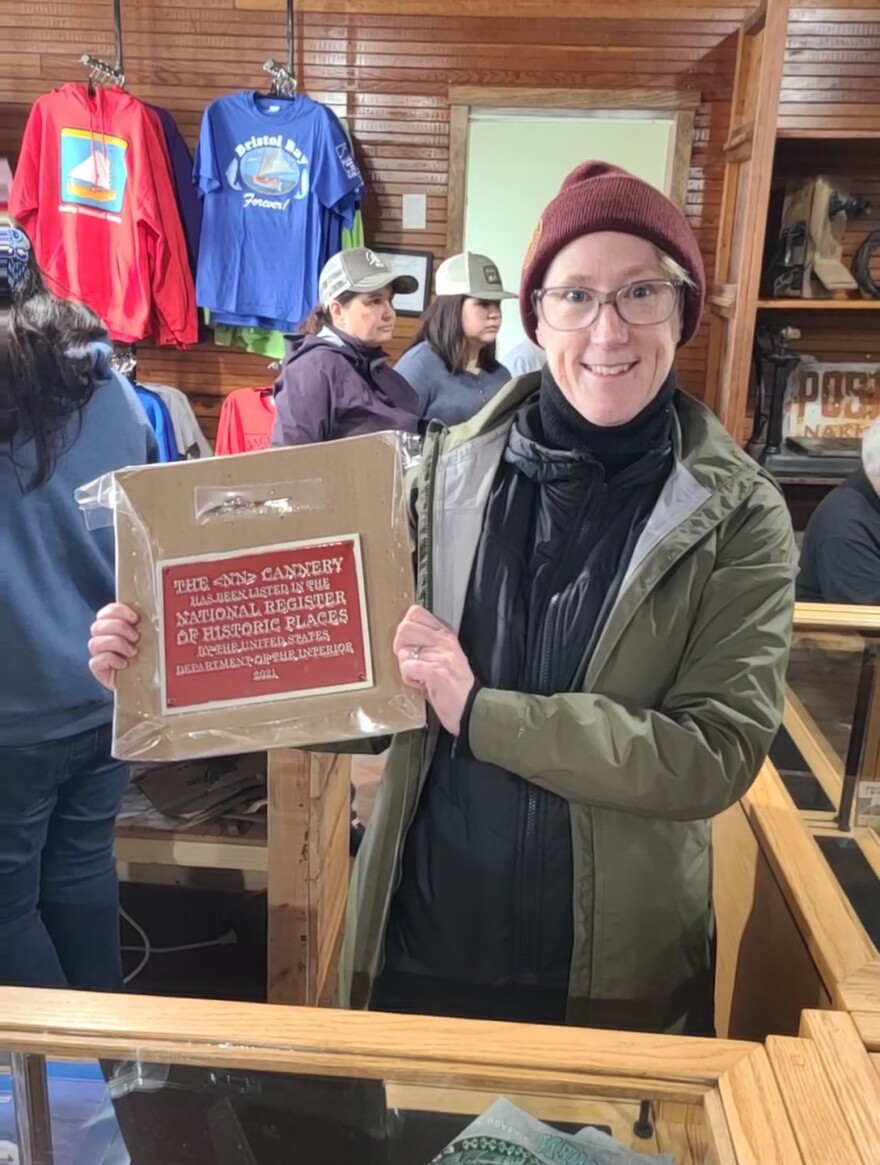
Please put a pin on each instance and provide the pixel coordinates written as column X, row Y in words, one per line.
column 269, row 587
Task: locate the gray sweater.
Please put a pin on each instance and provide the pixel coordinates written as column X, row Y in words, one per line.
column 443, row 395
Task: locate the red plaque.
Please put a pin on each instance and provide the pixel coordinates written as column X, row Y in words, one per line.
column 248, row 627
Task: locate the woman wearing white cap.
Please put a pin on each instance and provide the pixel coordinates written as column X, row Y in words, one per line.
column 451, row 363
column 337, row 382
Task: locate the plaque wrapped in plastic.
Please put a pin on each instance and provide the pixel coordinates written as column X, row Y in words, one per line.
column 269, row 587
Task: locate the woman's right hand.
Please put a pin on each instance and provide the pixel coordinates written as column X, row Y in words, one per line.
column 113, row 643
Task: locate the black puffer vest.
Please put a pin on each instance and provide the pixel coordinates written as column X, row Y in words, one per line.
column 485, row 897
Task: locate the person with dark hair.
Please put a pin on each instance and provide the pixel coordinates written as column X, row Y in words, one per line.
column 336, row 382
column 65, row 419
column 451, row 363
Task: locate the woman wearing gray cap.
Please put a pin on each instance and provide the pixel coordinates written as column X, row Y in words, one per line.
column 605, row 585
column 451, row 363
column 337, row 382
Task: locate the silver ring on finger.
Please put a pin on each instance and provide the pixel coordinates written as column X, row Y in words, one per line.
column 415, row 652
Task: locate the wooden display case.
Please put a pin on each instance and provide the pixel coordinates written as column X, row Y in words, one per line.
column 830, row 1090
column 797, row 888
column 272, row 1084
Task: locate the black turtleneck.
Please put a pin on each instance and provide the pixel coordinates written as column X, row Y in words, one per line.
column 615, row 447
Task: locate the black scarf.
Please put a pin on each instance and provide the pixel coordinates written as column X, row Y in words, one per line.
column 616, row 446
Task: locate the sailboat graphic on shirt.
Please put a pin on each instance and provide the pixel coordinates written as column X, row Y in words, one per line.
column 270, row 170
column 277, row 172
column 93, row 170
column 91, row 179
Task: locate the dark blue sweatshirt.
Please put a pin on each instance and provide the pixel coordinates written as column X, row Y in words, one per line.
column 55, row 573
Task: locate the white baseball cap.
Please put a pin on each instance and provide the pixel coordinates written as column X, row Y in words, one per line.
column 471, row 274
column 360, row 270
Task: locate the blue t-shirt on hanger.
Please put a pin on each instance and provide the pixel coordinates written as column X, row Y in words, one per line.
column 268, row 169
column 160, row 420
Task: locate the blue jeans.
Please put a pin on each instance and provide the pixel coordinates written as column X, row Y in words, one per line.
column 59, row 897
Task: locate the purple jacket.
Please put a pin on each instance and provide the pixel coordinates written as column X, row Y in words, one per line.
column 188, row 201
column 332, row 386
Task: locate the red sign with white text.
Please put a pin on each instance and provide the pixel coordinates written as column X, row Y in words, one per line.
column 265, row 624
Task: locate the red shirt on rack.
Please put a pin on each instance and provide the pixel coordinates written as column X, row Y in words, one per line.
column 94, row 190
column 245, row 421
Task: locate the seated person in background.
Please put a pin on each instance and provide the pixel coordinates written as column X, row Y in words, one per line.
column 451, row 363
column 840, row 557
column 525, row 357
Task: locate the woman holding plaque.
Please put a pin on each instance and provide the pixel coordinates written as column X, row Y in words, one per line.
column 65, row 419
column 606, row 589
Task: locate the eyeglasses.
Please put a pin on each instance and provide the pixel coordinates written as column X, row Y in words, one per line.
column 568, row 309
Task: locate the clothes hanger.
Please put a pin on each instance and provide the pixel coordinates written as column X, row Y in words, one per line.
column 284, row 79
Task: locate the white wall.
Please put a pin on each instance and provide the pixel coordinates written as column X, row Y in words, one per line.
column 516, row 164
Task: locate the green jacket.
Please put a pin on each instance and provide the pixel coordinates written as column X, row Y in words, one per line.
column 682, row 697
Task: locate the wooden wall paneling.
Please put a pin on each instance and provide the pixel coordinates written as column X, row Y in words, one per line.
column 387, row 66
column 831, row 79
column 456, row 190
column 680, row 162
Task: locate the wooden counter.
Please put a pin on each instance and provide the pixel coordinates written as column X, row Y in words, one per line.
column 706, row 1100
column 830, row 1090
column 798, row 898
column 788, row 936
column 301, row 856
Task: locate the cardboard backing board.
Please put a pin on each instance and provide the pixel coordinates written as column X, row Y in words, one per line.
column 270, row 586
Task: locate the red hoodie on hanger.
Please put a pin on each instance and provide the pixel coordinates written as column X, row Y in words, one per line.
column 94, row 190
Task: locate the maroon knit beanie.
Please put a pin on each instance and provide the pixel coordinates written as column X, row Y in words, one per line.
column 597, row 196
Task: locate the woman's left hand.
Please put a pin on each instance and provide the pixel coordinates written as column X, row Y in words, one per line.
column 431, row 658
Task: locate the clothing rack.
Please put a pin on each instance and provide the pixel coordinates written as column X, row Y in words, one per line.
column 284, row 79
column 100, row 73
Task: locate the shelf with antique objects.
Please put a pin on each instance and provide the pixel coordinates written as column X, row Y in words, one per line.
column 800, row 229
column 797, row 888
column 325, row 1085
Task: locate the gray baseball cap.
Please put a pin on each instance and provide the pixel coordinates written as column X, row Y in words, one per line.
column 360, row 270
column 471, row 274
